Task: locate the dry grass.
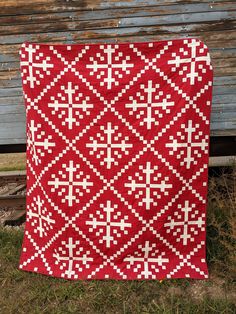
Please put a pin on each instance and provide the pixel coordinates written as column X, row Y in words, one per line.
column 10, row 162
column 221, row 223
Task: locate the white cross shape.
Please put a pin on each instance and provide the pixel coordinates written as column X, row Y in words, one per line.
column 34, row 142
column 70, row 105
column 108, row 223
column 146, row 260
column 109, row 66
column 40, row 216
column 44, row 65
column 193, row 59
column 150, row 90
column 189, row 144
column 71, row 183
column 109, row 146
column 148, row 185
column 71, row 258
column 185, row 223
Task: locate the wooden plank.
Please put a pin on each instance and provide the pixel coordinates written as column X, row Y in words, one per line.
column 10, row 57
column 13, row 87
column 16, row 109
column 10, row 7
column 215, row 40
column 223, row 61
column 16, row 218
column 225, row 81
column 226, row 107
column 220, row 131
column 16, row 104
column 12, row 176
column 113, row 13
column 223, row 90
column 12, row 133
column 224, row 65
column 15, row 140
column 223, row 118
column 11, row 92
column 12, row 79
column 13, row 201
column 16, row 189
column 224, row 99
column 13, row 69
column 224, row 85
column 9, row 54
column 161, row 31
column 12, row 119
column 222, row 161
column 223, row 114
column 70, row 24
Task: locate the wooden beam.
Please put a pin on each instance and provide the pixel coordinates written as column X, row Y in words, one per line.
column 13, row 201
column 222, row 161
column 16, row 218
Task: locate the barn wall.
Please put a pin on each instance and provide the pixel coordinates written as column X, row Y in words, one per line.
column 67, row 21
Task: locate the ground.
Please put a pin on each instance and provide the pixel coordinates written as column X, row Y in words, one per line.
column 24, row 292
column 12, row 161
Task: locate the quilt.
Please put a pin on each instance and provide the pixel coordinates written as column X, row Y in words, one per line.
column 117, row 159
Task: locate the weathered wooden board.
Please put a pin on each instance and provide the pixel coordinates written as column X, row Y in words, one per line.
column 68, row 21
column 10, row 7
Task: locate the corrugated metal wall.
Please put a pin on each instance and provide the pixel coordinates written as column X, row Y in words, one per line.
column 108, row 21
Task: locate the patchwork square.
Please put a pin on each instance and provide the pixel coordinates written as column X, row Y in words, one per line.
column 117, row 159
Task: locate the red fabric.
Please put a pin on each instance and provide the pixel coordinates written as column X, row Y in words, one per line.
column 117, row 159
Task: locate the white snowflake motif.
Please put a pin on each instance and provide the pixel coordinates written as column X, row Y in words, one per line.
column 72, row 184
column 72, row 106
column 185, row 228
column 146, row 262
column 191, row 60
column 71, row 258
column 38, row 65
column 150, row 100
column 37, row 142
column 112, row 65
column 147, row 185
column 110, row 145
column 111, row 222
column 41, row 218
column 189, row 144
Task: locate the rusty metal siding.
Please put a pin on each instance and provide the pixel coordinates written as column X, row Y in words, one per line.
column 214, row 22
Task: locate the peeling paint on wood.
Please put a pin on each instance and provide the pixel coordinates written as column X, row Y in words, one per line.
column 68, row 21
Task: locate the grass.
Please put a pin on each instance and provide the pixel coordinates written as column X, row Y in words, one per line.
column 221, row 222
column 10, row 162
column 24, row 292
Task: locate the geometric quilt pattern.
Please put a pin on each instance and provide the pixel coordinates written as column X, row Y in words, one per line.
column 117, row 159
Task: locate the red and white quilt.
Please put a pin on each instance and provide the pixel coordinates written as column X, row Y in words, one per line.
column 117, row 159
